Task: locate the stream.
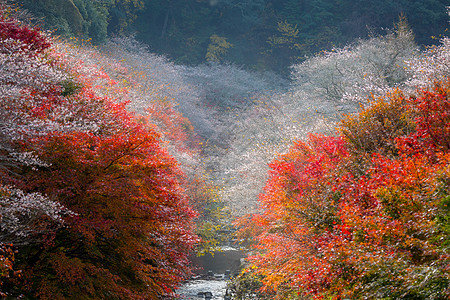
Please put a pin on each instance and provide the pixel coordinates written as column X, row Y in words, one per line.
column 193, row 288
column 213, row 271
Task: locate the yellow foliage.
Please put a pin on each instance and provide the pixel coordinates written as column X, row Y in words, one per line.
column 288, row 36
column 217, row 48
column 376, row 127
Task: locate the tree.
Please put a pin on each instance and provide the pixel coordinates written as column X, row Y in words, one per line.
column 348, row 76
column 217, row 48
column 26, row 70
column 433, row 66
column 324, row 87
column 343, row 219
column 130, row 209
column 123, row 13
column 85, row 179
column 73, row 18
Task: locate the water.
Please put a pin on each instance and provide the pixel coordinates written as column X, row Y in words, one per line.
column 211, row 275
column 190, row 290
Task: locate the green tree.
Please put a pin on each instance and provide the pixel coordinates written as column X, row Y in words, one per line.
column 122, row 15
column 72, row 18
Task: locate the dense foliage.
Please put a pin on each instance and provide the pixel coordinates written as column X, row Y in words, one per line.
column 264, row 34
column 323, row 88
column 363, row 213
column 116, row 162
column 89, row 195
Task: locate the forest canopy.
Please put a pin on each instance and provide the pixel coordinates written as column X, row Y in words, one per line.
column 264, row 34
column 134, row 132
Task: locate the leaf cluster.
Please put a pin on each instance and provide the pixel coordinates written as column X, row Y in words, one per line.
column 266, row 34
column 361, row 214
column 90, row 196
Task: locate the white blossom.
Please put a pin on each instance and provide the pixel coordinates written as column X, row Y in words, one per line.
column 432, row 66
column 24, row 215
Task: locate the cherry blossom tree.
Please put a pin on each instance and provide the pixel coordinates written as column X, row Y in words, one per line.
column 342, row 79
column 432, row 66
column 30, row 87
column 83, row 179
column 324, row 87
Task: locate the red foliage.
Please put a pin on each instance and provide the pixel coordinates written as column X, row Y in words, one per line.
column 432, row 110
column 130, row 209
column 6, row 265
column 351, row 224
column 32, row 38
column 174, row 127
column 130, row 230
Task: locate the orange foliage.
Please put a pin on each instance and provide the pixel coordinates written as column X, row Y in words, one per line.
column 130, row 229
column 363, row 215
column 133, row 219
